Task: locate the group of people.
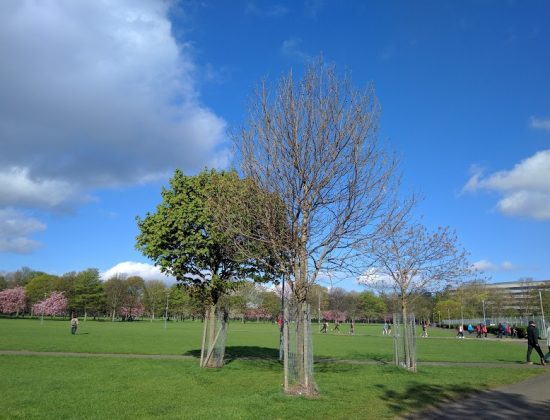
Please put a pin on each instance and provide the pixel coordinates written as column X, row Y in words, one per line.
column 336, row 328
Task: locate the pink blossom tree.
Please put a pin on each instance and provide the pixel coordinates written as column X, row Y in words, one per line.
column 136, row 311
column 12, row 301
column 258, row 314
column 335, row 316
column 56, row 304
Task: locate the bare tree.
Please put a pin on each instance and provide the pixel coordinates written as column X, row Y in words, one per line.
column 313, row 144
column 408, row 259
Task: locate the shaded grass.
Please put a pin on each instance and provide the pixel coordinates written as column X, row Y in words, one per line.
column 62, row 388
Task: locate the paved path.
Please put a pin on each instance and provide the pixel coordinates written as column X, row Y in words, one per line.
column 523, row 400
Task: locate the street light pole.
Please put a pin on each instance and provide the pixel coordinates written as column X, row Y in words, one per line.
column 484, row 317
column 166, row 312
column 542, row 312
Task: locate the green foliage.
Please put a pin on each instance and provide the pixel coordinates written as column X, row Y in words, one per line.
column 372, row 306
column 40, row 287
column 184, row 240
column 88, row 292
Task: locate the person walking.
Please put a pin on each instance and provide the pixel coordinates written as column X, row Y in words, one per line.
column 460, row 331
column 336, row 326
column 547, row 357
column 533, row 343
column 425, row 329
column 325, row 326
column 385, row 330
column 74, row 324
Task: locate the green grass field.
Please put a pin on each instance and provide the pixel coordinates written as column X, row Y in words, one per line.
column 249, row 386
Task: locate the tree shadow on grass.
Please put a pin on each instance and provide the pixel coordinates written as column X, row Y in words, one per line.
column 243, row 352
column 459, row 402
column 418, row 395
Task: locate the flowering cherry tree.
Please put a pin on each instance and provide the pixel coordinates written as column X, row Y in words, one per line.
column 136, row 311
column 56, row 304
column 12, row 301
column 335, row 316
column 258, row 314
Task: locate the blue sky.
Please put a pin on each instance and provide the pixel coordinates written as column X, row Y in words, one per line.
column 101, row 100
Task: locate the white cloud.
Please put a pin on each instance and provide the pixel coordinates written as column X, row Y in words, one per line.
column 525, row 188
column 488, row 266
column 18, row 189
column 97, row 94
column 292, row 48
column 15, row 227
column 271, row 11
column 131, row 268
column 540, row 123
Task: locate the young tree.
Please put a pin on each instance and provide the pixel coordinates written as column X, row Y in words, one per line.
column 12, row 301
column 408, row 259
column 184, row 240
column 312, row 144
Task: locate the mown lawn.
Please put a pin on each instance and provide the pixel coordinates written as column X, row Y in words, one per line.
column 250, row 339
column 102, row 387
column 71, row 387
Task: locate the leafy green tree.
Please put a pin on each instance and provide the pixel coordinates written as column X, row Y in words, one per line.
column 184, row 240
column 134, row 291
column 88, row 292
column 271, row 302
column 115, row 292
column 40, row 287
column 3, row 283
column 372, row 306
column 155, row 297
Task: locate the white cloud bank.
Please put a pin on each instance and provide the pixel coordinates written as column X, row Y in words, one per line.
column 96, row 94
column 143, row 270
column 14, row 229
column 540, row 123
column 525, row 189
column 488, row 266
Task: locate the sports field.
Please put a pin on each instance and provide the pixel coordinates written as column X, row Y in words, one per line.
column 353, row 373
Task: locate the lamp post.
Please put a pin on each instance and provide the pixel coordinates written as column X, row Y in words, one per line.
column 542, row 312
column 484, row 317
column 166, row 311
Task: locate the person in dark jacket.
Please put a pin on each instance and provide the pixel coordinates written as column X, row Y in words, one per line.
column 533, row 343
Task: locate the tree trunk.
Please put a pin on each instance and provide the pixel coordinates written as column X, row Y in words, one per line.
column 213, row 339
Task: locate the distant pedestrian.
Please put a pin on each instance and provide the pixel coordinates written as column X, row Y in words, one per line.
column 470, row 328
column 325, row 326
column 460, row 331
column 508, row 331
column 547, row 357
column 533, row 343
column 500, row 330
column 352, row 327
column 74, row 324
column 336, row 326
column 385, row 330
column 389, row 329
column 478, row 331
column 425, row 329
column 484, row 330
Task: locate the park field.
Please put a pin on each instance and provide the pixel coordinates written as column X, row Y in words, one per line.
column 352, row 373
